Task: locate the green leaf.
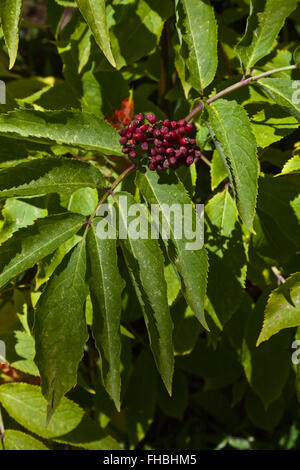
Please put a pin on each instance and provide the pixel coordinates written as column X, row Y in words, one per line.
column 271, row 123
column 31, row 244
column 217, row 366
column 11, row 13
column 18, row 214
column 291, row 166
column 83, row 201
column 26, row 405
column 278, row 208
column 145, row 263
column 49, row 175
column 186, row 328
column 191, row 265
column 296, row 55
column 17, row 440
column 283, row 91
column 283, row 308
column 266, row 19
column 173, row 283
column 266, row 367
column 60, row 329
column 95, row 15
column 47, row 266
column 262, row 418
column 230, row 128
column 25, row 348
column 227, row 258
column 82, row 130
column 197, row 30
column 106, row 286
column 134, row 19
column 217, row 170
column 140, row 399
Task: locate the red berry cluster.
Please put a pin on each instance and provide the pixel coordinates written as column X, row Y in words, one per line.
column 162, row 144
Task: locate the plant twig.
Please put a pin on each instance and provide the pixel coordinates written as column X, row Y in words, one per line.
column 243, row 82
column 110, row 190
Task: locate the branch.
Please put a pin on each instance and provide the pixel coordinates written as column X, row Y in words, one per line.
column 243, row 82
column 110, row 190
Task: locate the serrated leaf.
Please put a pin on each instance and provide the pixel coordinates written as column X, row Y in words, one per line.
column 83, row 201
column 271, row 123
column 49, row 175
column 60, row 329
column 190, row 264
column 25, row 348
column 266, row 367
column 18, row 214
column 227, row 258
column 230, row 128
column 106, row 286
column 217, row 170
column 69, row 424
column 47, row 266
column 291, row 166
column 173, row 283
column 95, row 15
column 11, row 13
column 283, row 91
column 78, row 129
column 136, row 19
column 146, row 267
column 282, row 309
column 17, row 440
column 266, row 19
column 31, row 244
column 197, row 30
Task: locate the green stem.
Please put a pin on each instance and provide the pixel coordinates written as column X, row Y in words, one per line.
column 243, row 82
column 111, row 189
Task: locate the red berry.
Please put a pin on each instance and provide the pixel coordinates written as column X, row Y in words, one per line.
column 151, row 118
column 189, row 128
column 133, row 154
column 151, row 167
column 144, row 127
column 123, row 140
